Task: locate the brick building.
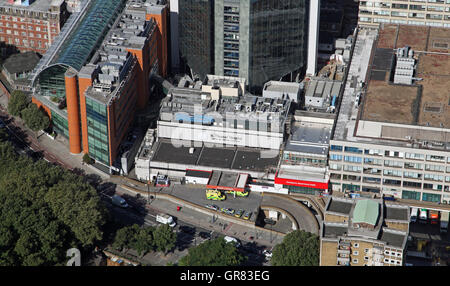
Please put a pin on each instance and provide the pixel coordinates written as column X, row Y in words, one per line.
column 31, row 25
column 363, row 232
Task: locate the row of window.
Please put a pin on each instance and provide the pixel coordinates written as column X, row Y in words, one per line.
column 388, row 153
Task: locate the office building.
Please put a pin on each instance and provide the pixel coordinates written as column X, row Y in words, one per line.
column 31, row 25
column 392, row 139
column 363, row 232
column 434, row 13
column 257, row 40
column 93, row 84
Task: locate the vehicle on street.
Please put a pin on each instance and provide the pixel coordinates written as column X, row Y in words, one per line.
column 215, row 195
column 228, row 211
column 162, row 181
column 238, row 194
column 247, row 215
column 423, row 216
column 269, row 221
column 204, row 235
column 187, row 229
column 434, row 217
column 444, row 222
column 414, row 214
column 212, row 207
column 239, row 213
column 166, row 219
column 267, row 253
column 119, row 201
column 230, row 239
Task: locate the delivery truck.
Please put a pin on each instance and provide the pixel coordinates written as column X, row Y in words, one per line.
column 165, row 219
column 444, row 222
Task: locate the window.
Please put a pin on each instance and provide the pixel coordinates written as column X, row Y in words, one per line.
column 353, row 159
column 356, row 245
column 356, row 252
column 353, row 150
column 355, row 261
column 336, row 148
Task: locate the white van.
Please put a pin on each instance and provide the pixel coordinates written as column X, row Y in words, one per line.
column 423, row 216
column 166, row 219
column 414, row 214
column 229, row 239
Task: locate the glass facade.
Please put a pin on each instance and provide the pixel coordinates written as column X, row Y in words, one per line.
column 97, row 125
column 52, row 83
column 196, row 35
column 60, row 125
column 278, row 39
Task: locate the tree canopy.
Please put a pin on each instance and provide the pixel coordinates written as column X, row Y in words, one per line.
column 214, row 252
column 44, row 211
column 17, row 102
column 299, row 248
column 145, row 239
column 35, row 118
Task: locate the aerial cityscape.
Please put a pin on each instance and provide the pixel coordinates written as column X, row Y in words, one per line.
column 232, row 133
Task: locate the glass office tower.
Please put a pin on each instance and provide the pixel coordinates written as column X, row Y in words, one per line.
column 196, row 35
column 259, row 40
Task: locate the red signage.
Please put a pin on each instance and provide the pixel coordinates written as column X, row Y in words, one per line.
column 299, row 183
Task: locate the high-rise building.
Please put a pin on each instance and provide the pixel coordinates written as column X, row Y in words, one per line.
column 256, row 40
column 92, row 85
column 31, row 25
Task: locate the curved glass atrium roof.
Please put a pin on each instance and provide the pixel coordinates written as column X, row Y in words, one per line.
column 88, row 35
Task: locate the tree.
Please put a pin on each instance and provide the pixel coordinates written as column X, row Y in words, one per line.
column 213, row 253
column 35, row 118
column 45, row 210
column 17, row 102
column 164, row 238
column 87, row 159
column 299, row 248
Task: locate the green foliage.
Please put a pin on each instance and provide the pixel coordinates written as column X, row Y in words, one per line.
column 17, row 102
column 35, row 118
column 137, row 238
column 213, row 253
column 3, row 135
column 164, row 238
column 44, row 210
column 87, row 159
column 299, row 248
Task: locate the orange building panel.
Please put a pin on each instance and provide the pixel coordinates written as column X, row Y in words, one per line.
column 73, row 112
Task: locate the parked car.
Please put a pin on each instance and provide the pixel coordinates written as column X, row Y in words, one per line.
column 238, row 213
column 212, row 207
column 228, row 211
column 247, row 215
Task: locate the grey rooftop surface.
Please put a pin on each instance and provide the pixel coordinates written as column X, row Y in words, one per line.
column 393, row 238
column 253, row 160
column 21, row 62
column 334, row 230
column 396, row 213
column 339, row 206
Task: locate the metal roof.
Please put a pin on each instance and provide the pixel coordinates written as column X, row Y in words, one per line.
column 366, row 211
column 84, row 39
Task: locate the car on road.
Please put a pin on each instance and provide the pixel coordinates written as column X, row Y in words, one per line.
column 187, row 229
column 204, row 235
column 267, row 253
column 119, row 201
column 212, row 207
column 230, row 239
column 228, row 211
column 247, row 215
column 239, row 213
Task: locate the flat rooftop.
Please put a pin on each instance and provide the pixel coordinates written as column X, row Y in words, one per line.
column 426, row 102
column 309, row 138
column 242, row 159
column 339, row 206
